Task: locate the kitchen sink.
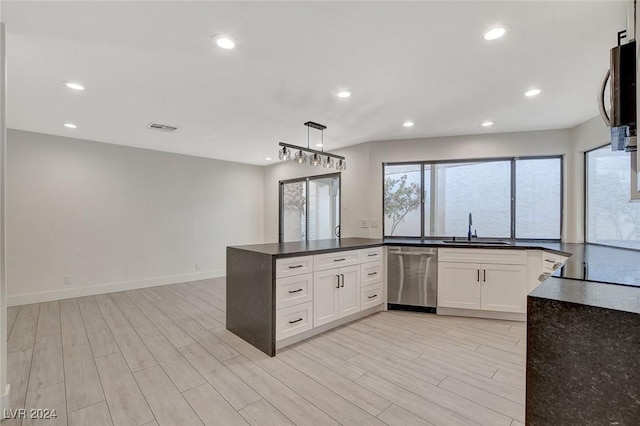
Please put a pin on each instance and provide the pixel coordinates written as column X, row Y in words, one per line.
column 478, row 242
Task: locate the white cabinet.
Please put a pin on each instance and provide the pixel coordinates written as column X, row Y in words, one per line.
column 336, row 294
column 504, row 288
column 293, row 320
column 371, row 273
column 459, row 285
column 371, row 296
column 371, row 255
column 294, row 266
column 293, row 296
column 498, row 284
column 336, row 259
column 294, row 290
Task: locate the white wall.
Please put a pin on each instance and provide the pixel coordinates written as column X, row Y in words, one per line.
column 586, row 136
column 114, row 217
column 4, row 387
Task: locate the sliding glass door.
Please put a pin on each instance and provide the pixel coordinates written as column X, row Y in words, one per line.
column 310, row 208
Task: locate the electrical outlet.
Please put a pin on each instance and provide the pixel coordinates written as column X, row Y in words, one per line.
column 374, row 223
column 197, row 266
column 67, row 280
column 364, row 223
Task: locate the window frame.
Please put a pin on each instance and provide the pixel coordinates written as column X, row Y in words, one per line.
column 433, row 182
column 306, row 195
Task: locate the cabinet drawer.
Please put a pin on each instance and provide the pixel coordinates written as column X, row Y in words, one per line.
column 294, row 266
column 335, row 260
column 371, row 296
column 478, row 255
column 370, row 273
column 294, row 290
column 293, row 320
column 371, row 255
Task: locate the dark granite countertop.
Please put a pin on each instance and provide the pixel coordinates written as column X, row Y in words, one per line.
column 607, row 296
column 303, row 248
column 587, row 262
column 555, row 247
column 610, row 265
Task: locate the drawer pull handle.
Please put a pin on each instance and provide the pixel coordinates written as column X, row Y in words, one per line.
column 550, row 260
column 372, row 273
column 295, row 266
column 371, row 297
column 295, row 321
column 295, row 291
column 339, row 260
column 372, row 254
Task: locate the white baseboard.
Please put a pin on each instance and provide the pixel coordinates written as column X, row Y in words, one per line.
column 4, row 402
column 90, row 290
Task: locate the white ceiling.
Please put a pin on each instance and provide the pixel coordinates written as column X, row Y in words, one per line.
column 424, row 61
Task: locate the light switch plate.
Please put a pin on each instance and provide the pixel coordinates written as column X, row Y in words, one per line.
column 364, row 223
column 374, row 223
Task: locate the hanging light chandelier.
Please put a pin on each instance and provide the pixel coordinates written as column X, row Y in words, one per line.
column 315, row 157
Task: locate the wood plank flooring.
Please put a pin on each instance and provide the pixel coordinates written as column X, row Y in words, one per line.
column 161, row 356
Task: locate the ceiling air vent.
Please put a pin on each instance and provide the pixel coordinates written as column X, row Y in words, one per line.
column 162, row 127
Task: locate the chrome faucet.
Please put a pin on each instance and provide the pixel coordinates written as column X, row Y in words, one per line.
column 470, row 223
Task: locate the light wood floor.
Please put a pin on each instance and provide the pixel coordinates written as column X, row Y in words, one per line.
column 162, row 356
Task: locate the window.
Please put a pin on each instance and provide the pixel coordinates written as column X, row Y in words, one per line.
column 402, row 200
column 310, row 208
column 480, row 188
column 538, row 198
column 508, row 198
column 610, row 218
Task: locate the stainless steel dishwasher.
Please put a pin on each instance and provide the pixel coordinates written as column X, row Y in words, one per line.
column 412, row 278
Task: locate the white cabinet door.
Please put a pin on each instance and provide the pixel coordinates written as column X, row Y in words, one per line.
column 326, row 290
column 458, row 285
column 349, row 293
column 504, row 288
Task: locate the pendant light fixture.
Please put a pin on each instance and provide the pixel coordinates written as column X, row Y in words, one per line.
column 316, row 158
column 284, row 154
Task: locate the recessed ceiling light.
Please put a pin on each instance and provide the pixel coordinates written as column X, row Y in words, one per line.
column 268, row 158
column 408, row 124
column 487, row 123
column 343, row 94
column 532, row 92
column 224, row 41
column 495, row 33
column 70, row 125
column 74, row 86
column 319, row 145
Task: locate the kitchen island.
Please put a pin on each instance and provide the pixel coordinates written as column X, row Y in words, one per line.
column 583, row 353
column 272, row 289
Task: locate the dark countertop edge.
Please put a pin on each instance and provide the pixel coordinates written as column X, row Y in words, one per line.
column 333, row 246
column 359, row 243
column 517, row 245
column 616, row 297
